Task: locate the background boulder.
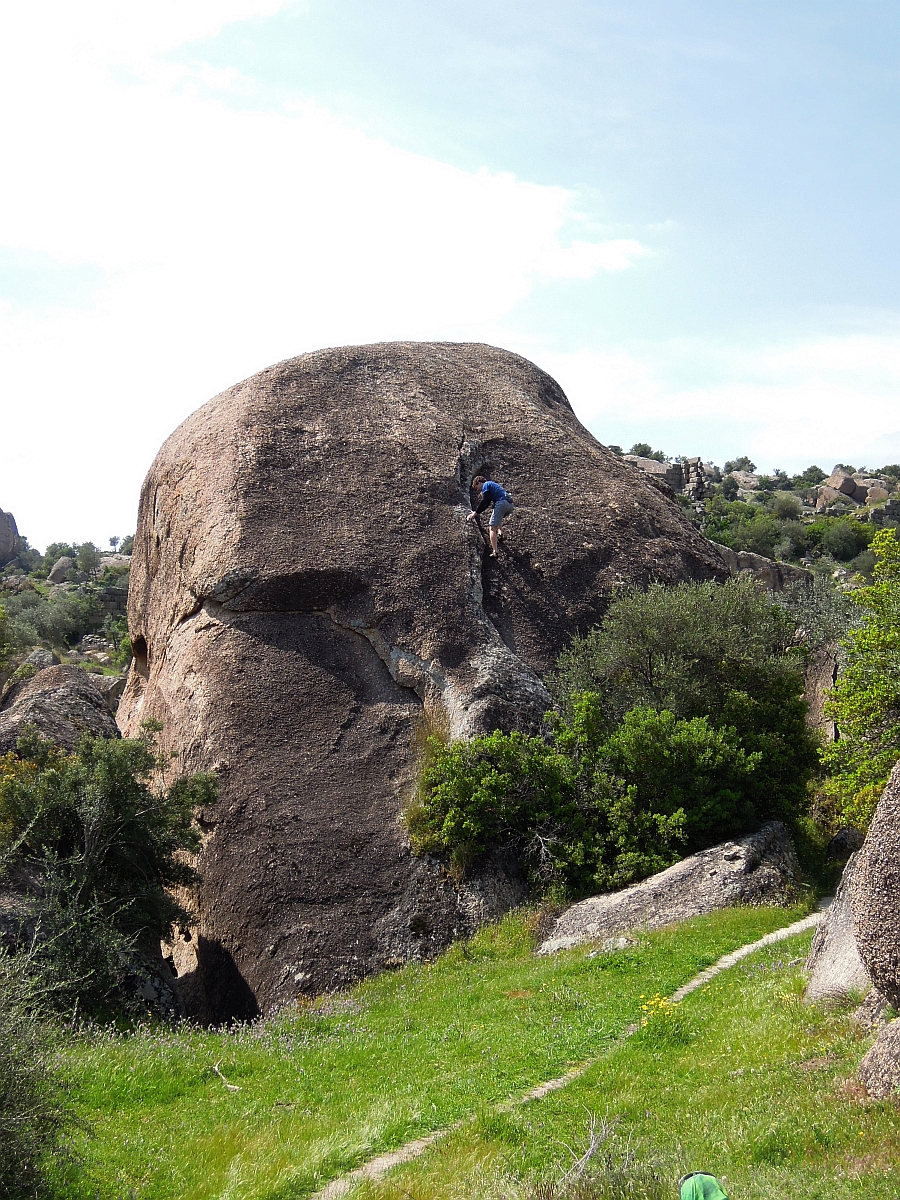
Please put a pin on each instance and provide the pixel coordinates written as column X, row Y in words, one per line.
column 9, row 538
column 306, row 595
column 62, row 702
column 759, row 869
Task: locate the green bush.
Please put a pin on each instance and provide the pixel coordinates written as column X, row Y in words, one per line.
column 865, row 701
column 727, row 652
column 88, row 559
column 60, row 619
column 107, row 848
column 742, row 526
column 5, row 642
column 681, row 723
column 551, row 799
column 787, row 507
column 34, row 1116
column 689, row 768
column 844, row 538
column 741, row 463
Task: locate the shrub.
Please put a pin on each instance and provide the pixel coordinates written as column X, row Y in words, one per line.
column 683, row 648
column 727, row 652
column 645, row 450
column 106, row 847
column 865, row 701
column 5, row 643
column 823, row 614
column 88, row 558
column 33, row 1113
column 742, row 526
column 845, row 538
column 689, row 768
column 61, row 619
column 810, row 478
column 552, row 799
column 742, row 463
column 681, row 723
column 787, row 507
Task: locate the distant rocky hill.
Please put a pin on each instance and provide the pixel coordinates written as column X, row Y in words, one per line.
column 9, row 538
column 306, row 594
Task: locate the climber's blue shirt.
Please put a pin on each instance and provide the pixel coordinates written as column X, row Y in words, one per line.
column 491, row 493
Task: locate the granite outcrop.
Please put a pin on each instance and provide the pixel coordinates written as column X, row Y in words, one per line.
column 306, row 595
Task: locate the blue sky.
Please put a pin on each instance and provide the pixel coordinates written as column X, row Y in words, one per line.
column 687, row 212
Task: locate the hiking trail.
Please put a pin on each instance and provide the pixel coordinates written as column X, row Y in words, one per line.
column 377, row 1168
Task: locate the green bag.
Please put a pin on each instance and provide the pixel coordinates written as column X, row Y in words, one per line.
column 702, row 1187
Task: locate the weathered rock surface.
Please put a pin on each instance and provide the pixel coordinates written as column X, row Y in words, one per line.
column 670, row 473
column 879, row 1071
column 875, row 894
column 111, row 688
column 62, row 702
column 835, row 968
column 41, row 659
column 819, row 678
column 759, row 869
column 59, row 572
column 745, row 480
column 305, row 589
column 841, row 481
column 775, row 575
column 9, row 538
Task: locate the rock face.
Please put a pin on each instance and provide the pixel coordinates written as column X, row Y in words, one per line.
column 879, row 1071
column 820, row 676
column 875, row 894
column 40, row 659
column 60, row 571
column 306, row 592
column 835, row 968
column 9, row 538
column 62, row 703
column 759, row 869
column 775, row 575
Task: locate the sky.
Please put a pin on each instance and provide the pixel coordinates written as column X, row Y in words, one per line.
column 685, row 210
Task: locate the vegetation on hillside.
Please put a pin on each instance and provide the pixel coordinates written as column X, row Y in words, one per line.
column 681, row 723
column 104, row 848
column 865, row 701
column 91, row 599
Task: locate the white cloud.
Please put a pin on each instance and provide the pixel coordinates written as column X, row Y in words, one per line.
column 226, row 239
column 820, row 399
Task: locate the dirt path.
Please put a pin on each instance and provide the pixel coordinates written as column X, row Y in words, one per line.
column 375, row 1168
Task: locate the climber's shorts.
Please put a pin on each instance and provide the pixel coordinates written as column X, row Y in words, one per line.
column 501, row 509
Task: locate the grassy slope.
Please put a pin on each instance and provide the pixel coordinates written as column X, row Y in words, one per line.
column 743, row 1080
column 325, row 1088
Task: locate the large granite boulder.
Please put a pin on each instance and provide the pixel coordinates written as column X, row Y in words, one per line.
column 9, row 538
column 836, row 971
column 61, row 702
column 306, row 594
column 761, row 868
column 875, row 894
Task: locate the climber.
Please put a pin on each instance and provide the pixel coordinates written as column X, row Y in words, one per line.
column 492, row 493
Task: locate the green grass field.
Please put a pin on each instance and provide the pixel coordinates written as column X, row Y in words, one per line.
column 741, row 1079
